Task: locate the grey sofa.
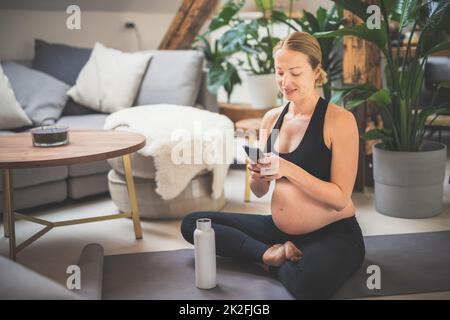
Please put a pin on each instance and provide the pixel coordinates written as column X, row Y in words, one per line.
column 170, row 78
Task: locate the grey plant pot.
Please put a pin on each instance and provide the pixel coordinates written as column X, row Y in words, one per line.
column 409, row 184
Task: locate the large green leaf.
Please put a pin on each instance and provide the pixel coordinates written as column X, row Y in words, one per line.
column 353, row 95
column 354, row 6
column 376, row 36
column 430, row 40
column 440, row 109
column 232, row 40
column 438, row 14
column 357, row 97
column 280, row 16
column 321, row 16
column 264, row 5
column 382, row 98
column 375, row 134
column 358, row 86
column 227, row 13
column 439, row 47
column 312, row 21
column 225, row 75
column 392, row 9
column 407, row 11
column 356, row 100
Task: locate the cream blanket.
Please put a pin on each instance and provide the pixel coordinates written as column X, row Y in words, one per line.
column 182, row 141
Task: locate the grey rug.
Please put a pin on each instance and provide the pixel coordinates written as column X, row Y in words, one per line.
column 409, row 263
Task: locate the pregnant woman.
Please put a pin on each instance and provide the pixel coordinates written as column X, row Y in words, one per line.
column 312, row 241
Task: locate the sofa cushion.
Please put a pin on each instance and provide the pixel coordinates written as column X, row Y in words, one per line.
column 89, row 121
column 73, row 108
column 173, row 77
column 6, row 132
column 33, row 176
column 12, row 115
column 110, row 80
column 86, row 169
column 61, row 61
column 40, row 95
column 33, row 196
column 80, row 187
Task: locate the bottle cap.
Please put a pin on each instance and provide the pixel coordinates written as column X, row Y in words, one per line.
column 204, row 224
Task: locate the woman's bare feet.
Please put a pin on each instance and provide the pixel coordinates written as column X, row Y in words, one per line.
column 277, row 254
column 274, row 256
column 292, row 252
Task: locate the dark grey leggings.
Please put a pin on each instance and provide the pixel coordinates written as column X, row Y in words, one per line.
column 330, row 255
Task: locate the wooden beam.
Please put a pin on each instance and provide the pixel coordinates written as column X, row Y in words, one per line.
column 187, row 23
column 361, row 64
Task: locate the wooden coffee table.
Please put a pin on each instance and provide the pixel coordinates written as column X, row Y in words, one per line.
column 17, row 151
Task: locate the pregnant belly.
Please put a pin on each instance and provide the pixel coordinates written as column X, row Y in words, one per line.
column 294, row 212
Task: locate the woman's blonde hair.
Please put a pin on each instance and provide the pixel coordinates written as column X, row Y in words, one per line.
column 305, row 43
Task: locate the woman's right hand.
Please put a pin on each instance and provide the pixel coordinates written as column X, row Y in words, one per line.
column 258, row 184
column 254, row 168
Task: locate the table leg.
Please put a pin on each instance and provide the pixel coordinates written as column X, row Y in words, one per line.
column 8, row 211
column 132, row 196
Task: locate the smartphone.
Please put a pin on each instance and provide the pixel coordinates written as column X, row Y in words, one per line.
column 253, row 153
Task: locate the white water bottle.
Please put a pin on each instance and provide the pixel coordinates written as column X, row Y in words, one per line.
column 205, row 255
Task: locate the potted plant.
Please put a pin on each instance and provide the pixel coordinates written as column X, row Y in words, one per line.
column 321, row 21
column 408, row 171
column 221, row 72
column 246, row 45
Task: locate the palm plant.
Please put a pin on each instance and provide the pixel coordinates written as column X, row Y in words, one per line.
column 405, row 120
column 322, row 21
column 247, row 45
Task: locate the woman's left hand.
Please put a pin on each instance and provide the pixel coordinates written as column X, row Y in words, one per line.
column 277, row 165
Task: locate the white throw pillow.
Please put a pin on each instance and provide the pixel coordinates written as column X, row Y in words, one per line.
column 110, row 79
column 12, row 115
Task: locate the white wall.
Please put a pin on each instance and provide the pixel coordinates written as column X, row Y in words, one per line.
column 19, row 28
column 101, row 20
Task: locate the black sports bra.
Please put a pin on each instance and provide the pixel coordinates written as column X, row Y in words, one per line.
column 311, row 154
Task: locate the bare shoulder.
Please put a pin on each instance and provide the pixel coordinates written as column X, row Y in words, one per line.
column 338, row 117
column 270, row 117
column 340, row 124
